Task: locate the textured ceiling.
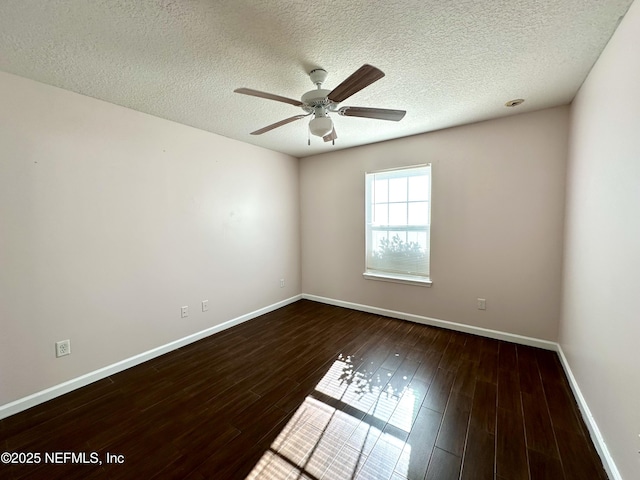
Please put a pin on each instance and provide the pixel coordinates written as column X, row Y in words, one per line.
column 446, row 62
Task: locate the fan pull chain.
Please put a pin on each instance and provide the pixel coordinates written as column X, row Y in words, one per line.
column 309, row 137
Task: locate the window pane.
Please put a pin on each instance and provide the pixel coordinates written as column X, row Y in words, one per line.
column 397, row 214
column 381, row 190
column 419, row 238
column 376, row 240
column 419, row 188
column 419, row 213
column 398, row 239
column 380, row 213
column 398, row 189
column 398, row 232
column 422, row 240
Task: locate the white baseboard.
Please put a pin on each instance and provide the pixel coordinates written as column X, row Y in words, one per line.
column 434, row 322
column 596, row 436
column 57, row 390
column 66, row 387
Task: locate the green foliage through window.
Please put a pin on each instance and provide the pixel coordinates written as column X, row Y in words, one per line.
column 398, row 222
column 395, row 252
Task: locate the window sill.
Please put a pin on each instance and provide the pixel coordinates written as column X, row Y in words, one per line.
column 395, row 278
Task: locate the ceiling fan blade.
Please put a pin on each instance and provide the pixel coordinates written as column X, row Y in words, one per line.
column 268, row 96
column 330, row 136
column 278, row 124
column 378, row 113
column 363, row 77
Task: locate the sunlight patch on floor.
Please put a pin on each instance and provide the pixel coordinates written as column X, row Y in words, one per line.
column 322, row 442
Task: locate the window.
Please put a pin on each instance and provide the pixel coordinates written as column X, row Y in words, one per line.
column 398, row 211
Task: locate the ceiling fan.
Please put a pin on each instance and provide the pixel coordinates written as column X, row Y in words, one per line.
column 320, row 102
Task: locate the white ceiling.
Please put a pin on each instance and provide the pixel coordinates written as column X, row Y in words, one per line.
column 446, row 62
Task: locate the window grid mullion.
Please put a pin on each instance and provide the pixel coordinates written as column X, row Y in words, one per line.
column 406, row 261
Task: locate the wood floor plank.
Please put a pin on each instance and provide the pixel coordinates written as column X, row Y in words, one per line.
column 428, row 366
column 452, row 356
column 483, row 412
column 538, row 428
column 452, row 434
column 439, row 390
column 507, row 357
column 530, row 381
column 550, row 366
column 440, row 340
column 563, row 409
column 316, row 391
column 509, row 395
column 490, row 345
column 238, row 456
column 472, row 347
column 196, row 446
column 479, row 454
column 405, row 372
column 488, row 366
column 543, row 467
column 383, row 457
column 416, row 453
column 579, row 458
column 408, row 407
column 465, row 381
column 511, row 448
column 443, row 466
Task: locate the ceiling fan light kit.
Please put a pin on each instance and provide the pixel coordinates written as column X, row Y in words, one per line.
column 320, row 126
column 320, row 102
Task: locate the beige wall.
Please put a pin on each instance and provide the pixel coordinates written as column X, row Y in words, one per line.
column 498, row 198
column 111, row 220
column 600, row 327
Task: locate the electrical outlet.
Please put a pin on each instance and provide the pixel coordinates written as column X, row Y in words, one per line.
column 63, row 348
column 205, row 305
column 282, row 283
column 482, row 304
column 184, row 312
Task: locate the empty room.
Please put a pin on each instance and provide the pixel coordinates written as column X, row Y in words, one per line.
column 320, row 240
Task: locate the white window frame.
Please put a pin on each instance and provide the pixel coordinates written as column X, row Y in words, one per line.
column 381, row 274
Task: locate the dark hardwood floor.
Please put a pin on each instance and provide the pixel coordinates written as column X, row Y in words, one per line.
column 312, row 391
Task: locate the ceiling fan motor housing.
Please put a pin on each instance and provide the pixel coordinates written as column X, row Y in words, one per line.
column 316, row 101
column 314, row 98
